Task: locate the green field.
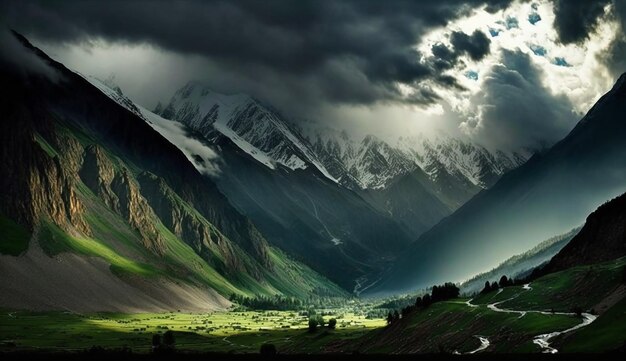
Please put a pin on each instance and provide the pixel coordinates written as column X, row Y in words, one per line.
column 214, row 332
column 453, row 326
column 582, row 286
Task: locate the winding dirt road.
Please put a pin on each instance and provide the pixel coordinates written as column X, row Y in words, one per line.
column 542, row 340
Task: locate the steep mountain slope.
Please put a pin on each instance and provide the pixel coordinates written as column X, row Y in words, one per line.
column 521, row 265
column 411, row 200
column 417, row 180
column 551, row 193
column 254, row 127
column 89, row 178
column 268, row 172
column 457, row 169
column 603, row 238
column 373, row 163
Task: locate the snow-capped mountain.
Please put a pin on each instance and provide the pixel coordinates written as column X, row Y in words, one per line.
column 295, row 206
column 318, row 184
column 256, row 128
column 368, row 163
column 373, row 163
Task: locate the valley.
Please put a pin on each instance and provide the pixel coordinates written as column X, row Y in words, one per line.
column 538, row 317
column 218, row 224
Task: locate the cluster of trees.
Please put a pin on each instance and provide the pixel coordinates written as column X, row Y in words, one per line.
column 316, row 320
column 438, row 293
column 504, row 282
column 282, row 303
column 392, row 317
column 167, row 343
column 279, row 303
column 444, row 292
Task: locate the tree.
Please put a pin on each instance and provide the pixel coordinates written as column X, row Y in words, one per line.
column 156, row 342
column 444, row 292
column 389, row 318
column 169, row 340
column 504, row 281
column 332, row 323
column 313, row 324
column 418, row 302
column 487, row 288
column 320, row 320
column 396, row 315
column 426, row 300
column 268, row 349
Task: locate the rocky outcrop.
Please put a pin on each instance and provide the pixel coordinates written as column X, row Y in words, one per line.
column 51, row 194
column 116, row 187
column 136, row 210
column 34, row 183
column 187, row 224
column 97, row 172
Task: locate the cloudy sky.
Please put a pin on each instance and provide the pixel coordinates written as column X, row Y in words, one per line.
column 508, row 74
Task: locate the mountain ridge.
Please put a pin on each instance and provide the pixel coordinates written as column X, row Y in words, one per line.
column 555, row 189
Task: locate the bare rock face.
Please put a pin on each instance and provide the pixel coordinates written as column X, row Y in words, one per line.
column 36, row 185
column 135, row 208
column 192, row 227
column 51, row 194
column 120, row 192
column 97, row 172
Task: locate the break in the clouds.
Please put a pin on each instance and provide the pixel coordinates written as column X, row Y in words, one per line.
column 515, row 109
column 382, row 66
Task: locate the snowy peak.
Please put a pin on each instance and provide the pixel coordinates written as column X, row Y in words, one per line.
column 201, row 155
column 373, row 163
column 254, row 127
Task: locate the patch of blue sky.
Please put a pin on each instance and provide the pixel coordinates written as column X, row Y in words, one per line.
column 538, row 50
column 560, row 61
column 494, row 32
column 471, row 74
column 534, row 18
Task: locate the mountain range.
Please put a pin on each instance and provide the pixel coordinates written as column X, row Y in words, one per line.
column 107, row 214
column 319, row 192
column 212, row 195
column 551, row 193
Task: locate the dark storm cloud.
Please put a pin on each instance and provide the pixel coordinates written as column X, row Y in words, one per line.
column 279, row 38
column 475, row 45
column 615, row 59
column 516, row 110
column 575, row 19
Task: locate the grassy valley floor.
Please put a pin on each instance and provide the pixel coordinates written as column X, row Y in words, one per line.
column 241, row 332
column 509, row 320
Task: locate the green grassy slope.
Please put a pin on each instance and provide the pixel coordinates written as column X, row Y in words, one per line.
column 115, row 241
column 582, row 286
column 608, row 332
column 454, row 325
